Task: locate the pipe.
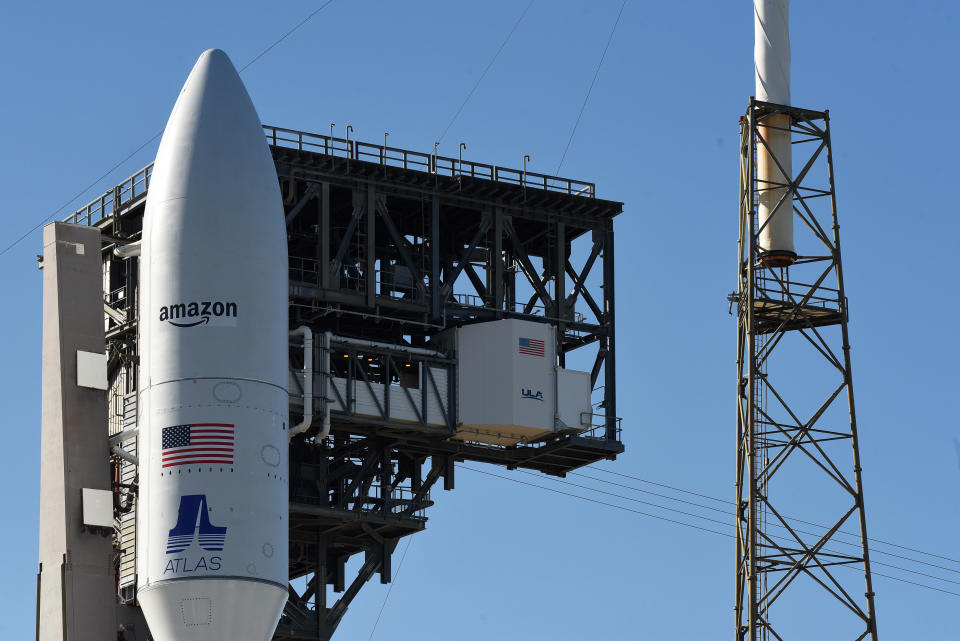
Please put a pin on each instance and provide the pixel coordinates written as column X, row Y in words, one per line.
column 125, row 455
column 127, row 251
column 771, row 55
column 557, row 423
column 326, row 374
column 304, row 425
column 126, row 435
column 390, row 347
column 771, row 50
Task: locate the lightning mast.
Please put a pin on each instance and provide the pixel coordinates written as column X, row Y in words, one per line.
column 794, row 430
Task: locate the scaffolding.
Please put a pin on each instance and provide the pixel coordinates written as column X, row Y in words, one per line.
column 796, row 422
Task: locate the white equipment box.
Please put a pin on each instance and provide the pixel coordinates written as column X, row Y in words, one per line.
column 510, row 389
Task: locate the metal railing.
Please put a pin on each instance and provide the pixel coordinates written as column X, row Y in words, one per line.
column 135, row 187
column 785, row 290
column 597, row 429
column 114, row 200
column 351, row 277
column 518, row 307
column 427, row 163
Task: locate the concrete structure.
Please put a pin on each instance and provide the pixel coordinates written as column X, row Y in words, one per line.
column 76, row 596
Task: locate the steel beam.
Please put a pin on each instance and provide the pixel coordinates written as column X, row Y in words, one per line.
column 778, row 306
column 346, row 495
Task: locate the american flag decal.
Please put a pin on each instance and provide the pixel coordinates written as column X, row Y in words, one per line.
column 531, row 346
column 197, row 443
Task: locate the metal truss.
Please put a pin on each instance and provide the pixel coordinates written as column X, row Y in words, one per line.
column 796, row 422
column 445, row 243
column 387, row 248
column 351, row 495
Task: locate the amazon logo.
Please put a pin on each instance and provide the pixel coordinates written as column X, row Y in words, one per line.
column 199, row 313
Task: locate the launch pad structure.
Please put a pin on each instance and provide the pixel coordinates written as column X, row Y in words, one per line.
column 795, row 433
column 387, row 249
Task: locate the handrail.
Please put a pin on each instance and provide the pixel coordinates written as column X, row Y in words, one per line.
column 425, row 162
column 114, row 199
column 135, row 187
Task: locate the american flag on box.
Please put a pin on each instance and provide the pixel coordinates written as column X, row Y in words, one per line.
column 531, row 346
column 197, row 443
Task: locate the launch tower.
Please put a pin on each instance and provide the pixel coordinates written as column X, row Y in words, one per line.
column 400, row 264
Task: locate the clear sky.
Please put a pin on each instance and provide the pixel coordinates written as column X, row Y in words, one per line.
column 86, row 84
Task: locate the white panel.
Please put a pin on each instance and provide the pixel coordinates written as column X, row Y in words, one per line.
column 506, row 381
column 485, row 372
column 401, row 408
column 340, row 398
column 437, row 399
column 92, row 370
column 98, row 508
column 573, row 398
column 128, row 519
column 534, row 393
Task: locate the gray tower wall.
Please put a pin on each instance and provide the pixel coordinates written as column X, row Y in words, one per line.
column 76, row 584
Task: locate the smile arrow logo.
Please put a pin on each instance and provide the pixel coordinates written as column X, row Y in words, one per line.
column 202, row 321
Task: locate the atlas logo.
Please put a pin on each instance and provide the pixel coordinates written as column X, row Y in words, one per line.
column 529, row 393
column 193, row 523
column 199, row 313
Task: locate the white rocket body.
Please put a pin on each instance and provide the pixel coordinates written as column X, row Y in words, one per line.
column 212, row 519
column 771, row 54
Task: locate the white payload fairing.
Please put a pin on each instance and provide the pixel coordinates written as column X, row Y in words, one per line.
column 213, row 407
column 771, row 59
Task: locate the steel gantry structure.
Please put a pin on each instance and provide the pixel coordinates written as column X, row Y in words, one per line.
column 796, row 422
column 387, row 248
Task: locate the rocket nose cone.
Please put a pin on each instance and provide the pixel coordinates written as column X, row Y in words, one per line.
column 213, row 120
column 214, row 58
column 213, row 65
column 214, row 52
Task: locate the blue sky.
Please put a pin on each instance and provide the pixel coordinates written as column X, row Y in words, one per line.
column 87, row 84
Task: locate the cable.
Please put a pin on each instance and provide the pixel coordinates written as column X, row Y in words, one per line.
column 592, row 83
column 155, row 136
column 80, row 193
column 665, row 496
column 791, row 539
column 722, row 511
column 722, row 533
column 286, row 35
column 696, row 527
column 584, row 498
column 664, row 485
column 489, row 64
column 922, row 585
column 390, row 589
column 820, row 525
column 627, row 498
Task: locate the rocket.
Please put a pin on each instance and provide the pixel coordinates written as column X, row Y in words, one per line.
column 212, row 518
column 771, row 56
